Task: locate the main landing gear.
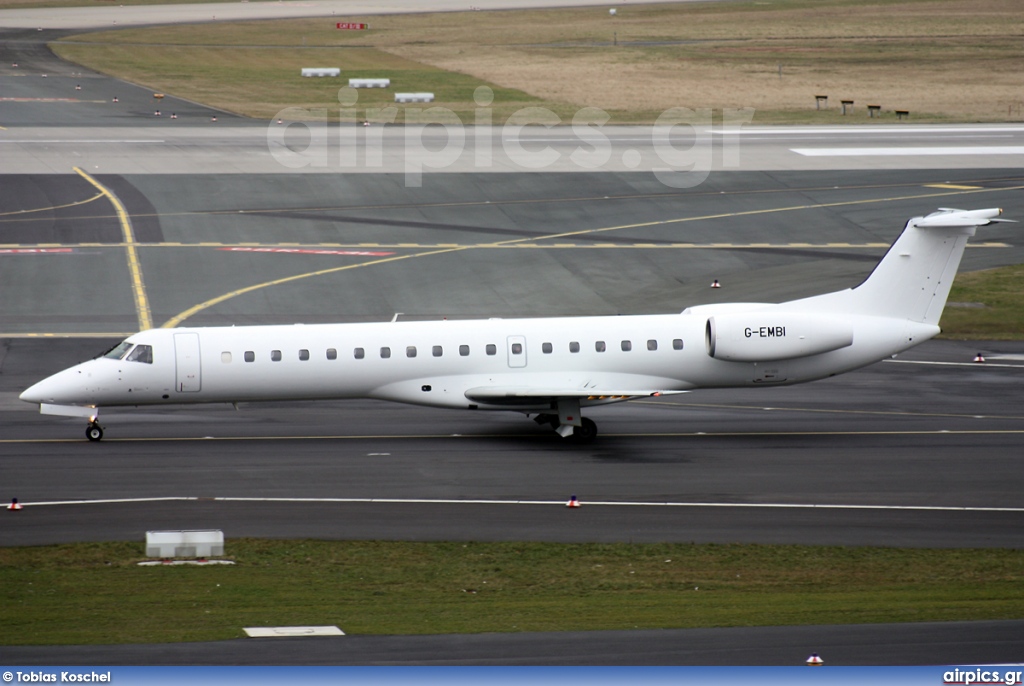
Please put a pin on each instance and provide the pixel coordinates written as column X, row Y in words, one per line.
column 584, row 433
column 94, row 432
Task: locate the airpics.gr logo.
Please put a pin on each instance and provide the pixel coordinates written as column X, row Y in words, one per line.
column 982, row 676
column 680, row 148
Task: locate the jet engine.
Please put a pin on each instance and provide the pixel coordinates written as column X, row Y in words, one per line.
column 767, row 335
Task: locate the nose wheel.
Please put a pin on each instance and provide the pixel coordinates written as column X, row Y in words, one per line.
column 94, row 432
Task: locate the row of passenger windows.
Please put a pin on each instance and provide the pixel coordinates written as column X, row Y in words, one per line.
column 438, row 351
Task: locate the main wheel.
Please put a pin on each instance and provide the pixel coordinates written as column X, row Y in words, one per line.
column 94, row 432
column 585, row 433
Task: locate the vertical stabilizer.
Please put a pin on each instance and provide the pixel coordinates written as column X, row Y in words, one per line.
column 913, row 280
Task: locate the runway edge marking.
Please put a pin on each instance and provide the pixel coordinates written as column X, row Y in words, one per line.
column 561, row 503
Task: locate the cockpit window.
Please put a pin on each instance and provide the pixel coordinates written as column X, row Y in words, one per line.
column 118, row 351
column 142, row 353
column 130, row 352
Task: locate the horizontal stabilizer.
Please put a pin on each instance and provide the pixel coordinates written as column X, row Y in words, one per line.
column 948, row 217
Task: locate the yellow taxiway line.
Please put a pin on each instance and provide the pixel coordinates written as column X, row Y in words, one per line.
column 296, row 248
column 138, row 286
column 21, row 213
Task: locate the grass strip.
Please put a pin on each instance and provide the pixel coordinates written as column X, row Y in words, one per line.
column 941, row 60
column 263, row 80
column 986, row 305
column 96, row 593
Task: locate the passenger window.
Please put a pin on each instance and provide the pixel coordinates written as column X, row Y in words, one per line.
column 410, row 351
column 574, row 346
column 652, row 344
column 225, row 357
column 492, row 349
column 385, row 353
column 517, row 348
column 464, row 350
column 546, row 347
column 677, row 343
column 332, row 353
column 275, row 355
column 249, row 356
column 303, row 355
column 438, row 351
column 627, row 346
column 359, row 353
column 142, row 353
column 600, row 346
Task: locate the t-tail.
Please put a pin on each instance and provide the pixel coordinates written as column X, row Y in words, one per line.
column 913, row 280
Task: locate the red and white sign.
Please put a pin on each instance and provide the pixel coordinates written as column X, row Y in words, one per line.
column 351, row 25
column 311, row 251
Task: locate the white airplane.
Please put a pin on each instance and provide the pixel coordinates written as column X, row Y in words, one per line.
column 548, row 368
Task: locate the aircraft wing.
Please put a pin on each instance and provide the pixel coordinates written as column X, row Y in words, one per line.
column 520, row 394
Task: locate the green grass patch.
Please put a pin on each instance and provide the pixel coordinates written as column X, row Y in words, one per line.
column 96, row 593
column 260, row 81
column 986, row 305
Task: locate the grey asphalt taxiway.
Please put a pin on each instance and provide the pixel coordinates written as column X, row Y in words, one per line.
column 933, row 464
column 918, row 451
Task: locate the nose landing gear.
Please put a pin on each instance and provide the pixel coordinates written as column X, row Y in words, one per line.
column 94, row 432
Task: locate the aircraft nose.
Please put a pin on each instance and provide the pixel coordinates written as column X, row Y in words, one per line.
column 31, row 394
column 39, row 392
column 53, row 389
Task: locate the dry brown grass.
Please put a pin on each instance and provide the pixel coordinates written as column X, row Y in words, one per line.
column 955, row 59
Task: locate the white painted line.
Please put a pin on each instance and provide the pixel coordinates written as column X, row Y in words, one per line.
column 618, row 503
column 863, row 130
column 979, row 365
column 191, row 563
column 99, row 141
column 907, row 136
column 113, row 501
column 910, row 152
column 560, row 503
column 570, row 139
column 292, row 631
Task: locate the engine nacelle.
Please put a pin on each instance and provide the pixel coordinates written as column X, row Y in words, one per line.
column 767, row 335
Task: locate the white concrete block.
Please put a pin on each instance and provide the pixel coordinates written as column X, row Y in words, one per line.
column 184, row 543
column 292, row 631
column 321, row 71
column 369, row 83
column 414, row 97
